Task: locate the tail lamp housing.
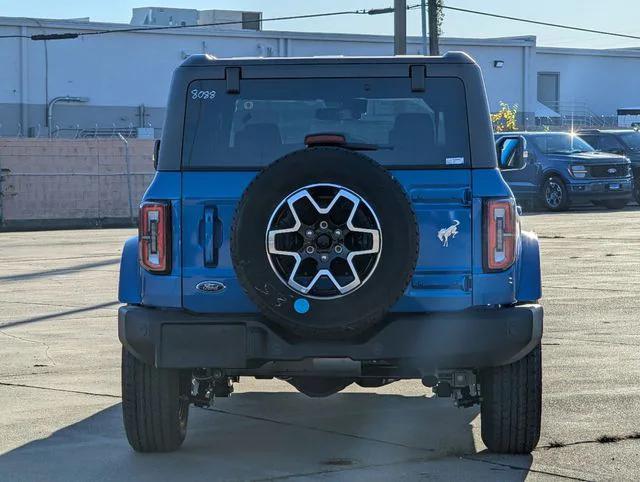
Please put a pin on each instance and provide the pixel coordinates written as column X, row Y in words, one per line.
column 154, row 236
column 500, row 231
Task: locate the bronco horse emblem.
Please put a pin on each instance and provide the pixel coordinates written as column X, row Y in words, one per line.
column 445, row 233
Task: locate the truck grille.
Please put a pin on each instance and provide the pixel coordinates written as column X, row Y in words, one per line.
column 611, row 170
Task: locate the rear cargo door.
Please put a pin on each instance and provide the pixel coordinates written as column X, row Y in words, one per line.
column 442, row 202
column 416, row 126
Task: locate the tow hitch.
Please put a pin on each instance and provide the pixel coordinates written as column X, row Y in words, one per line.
column 459, row 385
column 207, row 383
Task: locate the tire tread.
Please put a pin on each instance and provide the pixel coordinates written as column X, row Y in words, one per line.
column 512, row 405
column 150, row 406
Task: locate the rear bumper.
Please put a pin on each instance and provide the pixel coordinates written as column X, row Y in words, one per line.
column 468, row 339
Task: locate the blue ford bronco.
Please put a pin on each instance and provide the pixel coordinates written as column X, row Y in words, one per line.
column 558, row 169
column 329, row 221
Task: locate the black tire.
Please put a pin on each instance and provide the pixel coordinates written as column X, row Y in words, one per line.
column 355, row 311
column 511, row 405
column 615, row 203
column 155, row 406
column 636, row 190
column 554, row 195
column 320, row 387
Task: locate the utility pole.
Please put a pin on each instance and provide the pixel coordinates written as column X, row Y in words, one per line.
column 423, row 11
column 433, row 28
column 400, row 27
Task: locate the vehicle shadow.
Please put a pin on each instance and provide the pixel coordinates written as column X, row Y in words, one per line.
column 255, row 436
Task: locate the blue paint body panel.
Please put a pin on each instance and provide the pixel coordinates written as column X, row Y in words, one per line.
column 447, row 278
column 164, row 290
column 440, row 198
column 529, row 284
column 130, row 282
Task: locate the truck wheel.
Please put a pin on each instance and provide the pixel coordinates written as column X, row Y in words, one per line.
column 636, row 191
column 615, row 203
column 554, row 195
column 512, row 404
column 155, row 405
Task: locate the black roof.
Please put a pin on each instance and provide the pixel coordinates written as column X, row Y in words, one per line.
column 531, row 133
column 604, row 131
column 204, row 60
column 237, row 71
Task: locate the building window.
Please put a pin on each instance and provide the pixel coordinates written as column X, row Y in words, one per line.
column 549, row 89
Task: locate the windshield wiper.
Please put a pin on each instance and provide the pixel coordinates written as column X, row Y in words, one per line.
column 339, row 140
column 364, row 146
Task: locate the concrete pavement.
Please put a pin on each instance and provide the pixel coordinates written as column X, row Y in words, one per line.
column 60, row 380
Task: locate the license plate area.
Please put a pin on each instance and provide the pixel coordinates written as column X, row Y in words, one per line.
column 616, row 186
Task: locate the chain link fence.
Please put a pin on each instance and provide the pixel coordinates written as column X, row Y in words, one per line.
column 58, row 183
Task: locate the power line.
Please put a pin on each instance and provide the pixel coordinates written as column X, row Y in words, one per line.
column 73, row 35
column 539, row 22
column 371, row 11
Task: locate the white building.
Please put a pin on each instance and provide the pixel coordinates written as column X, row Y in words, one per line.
column 122, row 79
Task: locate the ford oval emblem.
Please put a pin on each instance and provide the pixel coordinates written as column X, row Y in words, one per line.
column 211, row 286
column 612, row 170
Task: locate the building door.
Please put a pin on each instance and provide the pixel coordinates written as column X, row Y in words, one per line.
column 549, row 89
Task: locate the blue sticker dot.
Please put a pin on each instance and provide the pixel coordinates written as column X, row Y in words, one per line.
column 301, row 305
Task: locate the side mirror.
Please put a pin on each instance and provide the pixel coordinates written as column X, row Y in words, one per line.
column 512, row 154
column 156, row 153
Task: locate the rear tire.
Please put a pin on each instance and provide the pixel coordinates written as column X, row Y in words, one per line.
column 511, row 405
column 155, row 405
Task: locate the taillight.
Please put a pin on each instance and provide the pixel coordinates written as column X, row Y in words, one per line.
column 154, row 236
column 500, row 224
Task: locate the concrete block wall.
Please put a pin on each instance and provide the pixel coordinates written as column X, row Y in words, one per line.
column 48, row 183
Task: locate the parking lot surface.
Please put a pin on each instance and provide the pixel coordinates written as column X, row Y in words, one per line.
column 60, row 380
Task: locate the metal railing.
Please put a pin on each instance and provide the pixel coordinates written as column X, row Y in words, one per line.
column 573, row 115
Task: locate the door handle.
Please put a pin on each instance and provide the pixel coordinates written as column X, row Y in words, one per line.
column 212, row 236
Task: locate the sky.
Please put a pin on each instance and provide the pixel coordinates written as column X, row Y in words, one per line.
column 612, row 15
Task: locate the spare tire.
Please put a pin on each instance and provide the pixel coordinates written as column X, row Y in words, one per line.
column 324, row 242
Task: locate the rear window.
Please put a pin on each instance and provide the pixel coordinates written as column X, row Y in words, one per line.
column 270, row 118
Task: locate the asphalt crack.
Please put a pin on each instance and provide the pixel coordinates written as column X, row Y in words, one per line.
column 581, row 288
column 603, row 439
column 318, row 429
column 64, row 390
column 582, row 340
column 345, row 469
column 47, row 347
column 524, row 469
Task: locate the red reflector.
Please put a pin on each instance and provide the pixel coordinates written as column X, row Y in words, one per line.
column 324, row 140
column 500, row 234
column 154, row 237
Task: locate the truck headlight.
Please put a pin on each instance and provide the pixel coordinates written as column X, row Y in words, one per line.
column 579, row 171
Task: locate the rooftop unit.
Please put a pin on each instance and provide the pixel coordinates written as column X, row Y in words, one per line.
column 231, row 19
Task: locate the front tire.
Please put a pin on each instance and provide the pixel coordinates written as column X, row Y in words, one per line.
column 554, row 195
column 155, row 405
column 511, row 405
